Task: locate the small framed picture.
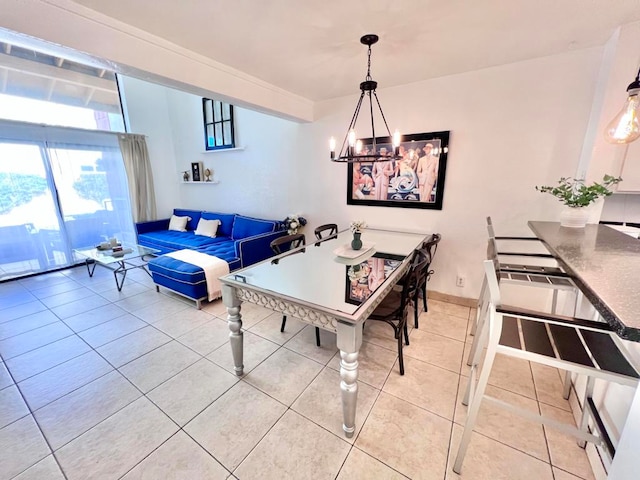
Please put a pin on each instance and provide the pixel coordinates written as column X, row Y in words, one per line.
column 197, row 172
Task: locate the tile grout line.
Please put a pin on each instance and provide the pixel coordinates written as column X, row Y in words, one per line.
column 35, row 420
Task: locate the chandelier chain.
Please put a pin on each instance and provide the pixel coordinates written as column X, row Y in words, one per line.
column 369, row 64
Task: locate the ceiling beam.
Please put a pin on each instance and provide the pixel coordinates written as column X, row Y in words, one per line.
column 69, row 29
column 50, row 72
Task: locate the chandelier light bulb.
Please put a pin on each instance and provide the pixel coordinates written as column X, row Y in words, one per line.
column 358, row 147
column 396, row 138
column 352, row 138
column 332, row 147
column 625, row 126
column 396, row 142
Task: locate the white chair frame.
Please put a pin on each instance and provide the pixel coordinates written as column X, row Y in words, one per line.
column 492, row 330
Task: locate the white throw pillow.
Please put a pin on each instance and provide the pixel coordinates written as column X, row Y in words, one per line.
column 208, row 228
column 178, row 224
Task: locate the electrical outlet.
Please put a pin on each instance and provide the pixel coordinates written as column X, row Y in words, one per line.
column 459, row 281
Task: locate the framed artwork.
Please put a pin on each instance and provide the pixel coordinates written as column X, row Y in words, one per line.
column 197, row 174
column 415, row 181
column 365, row 277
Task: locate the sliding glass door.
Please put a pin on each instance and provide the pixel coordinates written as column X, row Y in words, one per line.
column 60, row 189
column 27, row 207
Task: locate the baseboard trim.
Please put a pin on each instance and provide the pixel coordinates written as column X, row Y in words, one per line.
column 445, row 297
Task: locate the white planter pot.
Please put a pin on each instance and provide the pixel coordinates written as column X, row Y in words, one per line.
column 574, row 217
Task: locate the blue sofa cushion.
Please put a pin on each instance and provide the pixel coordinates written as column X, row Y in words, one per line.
column 193, row 214
column 226, row 222
column 171, row 240
column 244, row 227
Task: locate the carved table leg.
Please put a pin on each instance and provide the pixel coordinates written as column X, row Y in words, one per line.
column 234, row 320
column 349, row 340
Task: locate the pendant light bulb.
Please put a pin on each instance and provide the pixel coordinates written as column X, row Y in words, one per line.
column 625, row 126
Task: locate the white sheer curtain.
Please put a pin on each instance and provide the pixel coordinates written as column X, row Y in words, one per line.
column 139, row 176
column 60, row 189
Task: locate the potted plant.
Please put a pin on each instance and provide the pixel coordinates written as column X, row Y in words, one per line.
column 576, row 195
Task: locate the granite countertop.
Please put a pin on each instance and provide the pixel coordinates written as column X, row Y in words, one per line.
column 605, row 264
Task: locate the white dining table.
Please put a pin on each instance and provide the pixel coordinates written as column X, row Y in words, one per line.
column 316, row 284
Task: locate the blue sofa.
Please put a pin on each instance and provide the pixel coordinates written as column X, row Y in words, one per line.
column 241, row 241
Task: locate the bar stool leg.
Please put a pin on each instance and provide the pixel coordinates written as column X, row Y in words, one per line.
column 566, row 389
column 585, row 409
column 472, row 413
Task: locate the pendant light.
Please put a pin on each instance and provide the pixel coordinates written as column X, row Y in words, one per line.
column 625, row 127
column 352, row 149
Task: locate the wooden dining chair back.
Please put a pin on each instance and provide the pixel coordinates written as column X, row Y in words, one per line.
column 395, row 307
column 326, row 232
column 583, row 347
column 285, row 244
column 429, row 249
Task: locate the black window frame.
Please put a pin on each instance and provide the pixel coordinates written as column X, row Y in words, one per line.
column 217, row 118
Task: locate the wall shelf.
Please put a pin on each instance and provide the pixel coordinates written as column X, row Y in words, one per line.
column 191, row 182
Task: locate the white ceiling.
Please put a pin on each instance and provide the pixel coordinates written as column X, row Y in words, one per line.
column 312, row 48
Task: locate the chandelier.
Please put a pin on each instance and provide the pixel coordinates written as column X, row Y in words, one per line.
column 353, row 149
column 625, row 127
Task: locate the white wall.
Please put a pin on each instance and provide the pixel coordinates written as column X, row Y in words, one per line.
column 148, row 113
column 512, row 127
column 260, row 180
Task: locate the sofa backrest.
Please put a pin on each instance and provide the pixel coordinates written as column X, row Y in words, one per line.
column 244, row 227
column 226, row 222
column 193, row 214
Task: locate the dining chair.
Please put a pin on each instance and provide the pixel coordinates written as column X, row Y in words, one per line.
column 429, row 247
column 583, row 347
column 395, row 307
column 325, row 232
column 285, row 244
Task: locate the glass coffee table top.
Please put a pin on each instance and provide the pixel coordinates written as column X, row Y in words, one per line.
column 106, row 257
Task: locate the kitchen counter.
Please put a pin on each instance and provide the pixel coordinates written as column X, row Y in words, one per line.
column 605, row 264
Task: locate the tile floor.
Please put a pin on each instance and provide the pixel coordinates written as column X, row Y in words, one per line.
column 100, row 384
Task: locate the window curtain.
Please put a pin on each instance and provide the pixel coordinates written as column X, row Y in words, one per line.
column 60, row 189
column 139, row 176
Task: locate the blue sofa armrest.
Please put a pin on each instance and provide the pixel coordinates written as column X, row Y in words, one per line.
column 254, row 249
column 153, row 226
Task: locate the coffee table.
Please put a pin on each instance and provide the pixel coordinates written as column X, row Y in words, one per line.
column 118, row 264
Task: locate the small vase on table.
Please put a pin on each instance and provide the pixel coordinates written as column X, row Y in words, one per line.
column 356, row 243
